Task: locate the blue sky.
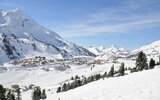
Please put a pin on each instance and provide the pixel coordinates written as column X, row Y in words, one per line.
column 126, row 23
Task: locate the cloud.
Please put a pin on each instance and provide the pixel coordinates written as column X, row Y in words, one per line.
column 9, row 5
column 87, row 30
column 129, row 16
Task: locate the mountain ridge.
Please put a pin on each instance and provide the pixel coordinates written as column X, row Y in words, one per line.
column 25, row 35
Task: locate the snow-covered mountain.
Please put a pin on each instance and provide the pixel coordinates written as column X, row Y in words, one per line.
column 95, row 50
column 111, row 52
column 20, row 36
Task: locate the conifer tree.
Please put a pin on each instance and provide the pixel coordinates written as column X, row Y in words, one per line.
column 10, row 96
column 157, row 63
column 77, row 77
column 64, row 87
column 92, row 78
column 141, row 61
column 18, row 94
column 68, row 86
column 79, row 83
column 2, row 93
column 13, row 97
column 121, row 70
column 43, row 95
column 152, row 63
column 159, row 59
column 72, row 78
column 105, row 74
column 36, row 94
column 84, row 81
column 59, row 90
column 39, row 93
column 111, row 72
column 97, row 76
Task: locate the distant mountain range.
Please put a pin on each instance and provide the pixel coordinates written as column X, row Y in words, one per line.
column 113, row 52
column 109, row 53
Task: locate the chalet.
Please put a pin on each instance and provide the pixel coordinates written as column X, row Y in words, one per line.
column 14, row 87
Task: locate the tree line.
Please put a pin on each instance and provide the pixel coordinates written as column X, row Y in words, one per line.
column 77, row 81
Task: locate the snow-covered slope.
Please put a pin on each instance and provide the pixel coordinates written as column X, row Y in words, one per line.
column 152, row 50
column 20, row 35
column 137, row 86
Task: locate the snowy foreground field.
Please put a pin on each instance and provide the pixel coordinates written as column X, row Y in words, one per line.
column 144, row 85
column 137, row 86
